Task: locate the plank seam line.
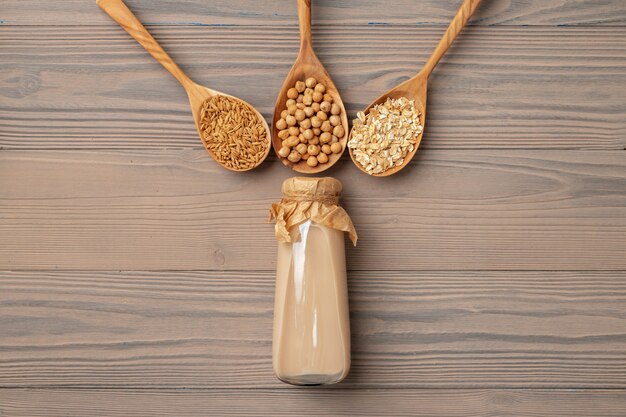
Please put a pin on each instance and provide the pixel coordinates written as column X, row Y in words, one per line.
column 327, row 25
column 285, row 389
column 265, row 271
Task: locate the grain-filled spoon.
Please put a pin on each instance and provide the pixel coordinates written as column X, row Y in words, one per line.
column 308, row 66
column 238, row 148
column 415, row 89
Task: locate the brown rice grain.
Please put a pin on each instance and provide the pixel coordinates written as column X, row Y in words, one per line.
column 232, row 132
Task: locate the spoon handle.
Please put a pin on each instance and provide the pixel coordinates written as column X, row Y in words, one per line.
column 304, row 20
column 118, row 11
column 466, row 10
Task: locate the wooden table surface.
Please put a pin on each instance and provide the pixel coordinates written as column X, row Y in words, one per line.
column 137, row 277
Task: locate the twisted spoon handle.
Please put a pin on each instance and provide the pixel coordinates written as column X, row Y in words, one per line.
column 304, row 20
column 466, row 10
column 118, row 11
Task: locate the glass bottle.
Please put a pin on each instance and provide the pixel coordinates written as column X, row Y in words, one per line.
column 311, row 341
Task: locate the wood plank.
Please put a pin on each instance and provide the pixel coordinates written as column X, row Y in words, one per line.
column 316, row 402
column 499, row 87
column 164, row 210
column 264, row 12
column 409, row 329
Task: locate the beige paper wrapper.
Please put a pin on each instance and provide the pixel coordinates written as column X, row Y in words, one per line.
column 315, row 199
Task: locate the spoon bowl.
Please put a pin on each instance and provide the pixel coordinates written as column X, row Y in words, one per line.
column 197, row 93
column 307, row 65
column 415, row 88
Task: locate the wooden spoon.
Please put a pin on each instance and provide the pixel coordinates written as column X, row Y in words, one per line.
column 307, row 65
column 415, row 88
column 197, row 94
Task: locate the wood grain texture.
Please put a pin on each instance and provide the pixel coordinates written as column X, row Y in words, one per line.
column 409, row 329
column 178, row 210
column 264, row 12
column 498, row 87
column 319, row 402
column 490, row 278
